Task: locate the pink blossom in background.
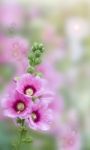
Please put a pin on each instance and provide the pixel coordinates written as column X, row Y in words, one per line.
column 40, row 117
column 15, row 51
column 69, row 139
column 57, row 55
column 34, row 12
column 17, row 47
column 53, row 77
column 51, row 37
column 69, row 134
column 57, row 105
column 11, row 15
column 48, row 33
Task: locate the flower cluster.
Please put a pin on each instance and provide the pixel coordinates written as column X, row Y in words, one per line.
column 29, row 98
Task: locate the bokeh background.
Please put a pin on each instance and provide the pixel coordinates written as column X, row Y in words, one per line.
column 63, row 27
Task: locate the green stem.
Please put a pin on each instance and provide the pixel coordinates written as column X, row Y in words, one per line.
column 20, row 141
column 21, row 121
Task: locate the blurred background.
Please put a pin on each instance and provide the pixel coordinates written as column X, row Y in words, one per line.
column 63, row 27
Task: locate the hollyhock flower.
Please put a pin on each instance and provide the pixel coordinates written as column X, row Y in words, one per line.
column 17, row 47
column 48, row 33
column 17, row 52
column 11, row 15
column 16, row 105
column 13, row 57
column 57, row 105
column 51, row 74
column 34, row 13
column 34, row 87
column 69, row 138
column 69, row 133
column 40, row 117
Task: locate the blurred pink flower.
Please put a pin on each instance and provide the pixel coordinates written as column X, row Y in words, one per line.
column 14, row 50
column 48, row 33
column 17, row 47
column 70, row 139
column 51, row 37
column 40, row 117
column 16, row 105
column 69, row 134
column 34, row 12
column 57, row 105
column 51, row 75
column 11, row 15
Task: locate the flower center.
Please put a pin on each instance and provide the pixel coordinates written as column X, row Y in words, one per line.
column 68, row 141
column 15, row 53
column 35, row 116
column 29, row 90
column 20, row 106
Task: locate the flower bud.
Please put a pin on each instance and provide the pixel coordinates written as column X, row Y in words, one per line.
column 37, row 61
column 30, row 70
column 38, row 53
column 35, row 47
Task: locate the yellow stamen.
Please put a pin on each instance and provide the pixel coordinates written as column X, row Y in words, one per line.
column 20, row 107
column 34, row 116
column 29, row 92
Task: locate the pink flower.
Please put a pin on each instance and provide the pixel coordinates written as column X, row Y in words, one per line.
column 69, row 134
column 15, row 51
column 48, row 33
column 40, row 117
column 54, row 78
column 16, row 105
column 34, row 87
column 70, row 138
column 57, row 105
column 11, row 15
column 17, row 47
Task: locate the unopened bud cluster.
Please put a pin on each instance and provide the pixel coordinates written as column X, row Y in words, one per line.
column 35, row 56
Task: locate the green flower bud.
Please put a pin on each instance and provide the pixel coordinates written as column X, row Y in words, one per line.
column 31, row 56
column 31, row 61
column 40, row 46
column 37, row 53
column 37, row 61
column 30, row 70
column 35, row 47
